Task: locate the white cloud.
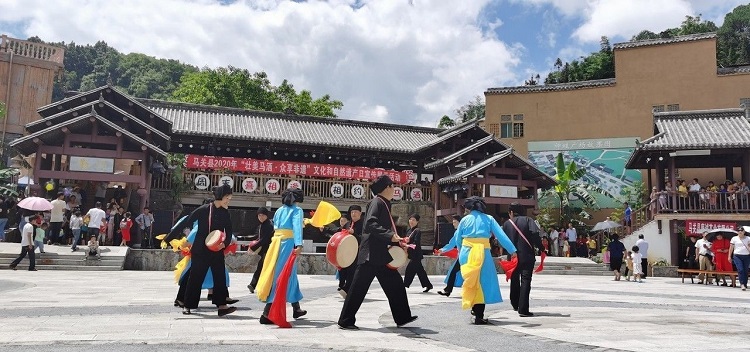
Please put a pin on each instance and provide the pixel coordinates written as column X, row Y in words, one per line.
column 620, row 20
column 407, row 62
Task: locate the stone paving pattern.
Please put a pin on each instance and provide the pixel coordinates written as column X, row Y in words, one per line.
column 132, row 310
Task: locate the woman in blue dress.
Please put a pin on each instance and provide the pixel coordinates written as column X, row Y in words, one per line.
column 480, row 286
column 288, row 224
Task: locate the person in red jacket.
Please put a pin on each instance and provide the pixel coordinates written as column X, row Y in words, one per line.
column 721, row 256
column 125, row 225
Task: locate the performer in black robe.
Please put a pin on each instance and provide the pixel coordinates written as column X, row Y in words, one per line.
column 203, row 259
column 346, row 275
column 265, row 233
column 415, row 266
column 525, row 242
column 378, row 234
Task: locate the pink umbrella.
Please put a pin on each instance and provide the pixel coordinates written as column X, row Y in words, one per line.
column 35, row 204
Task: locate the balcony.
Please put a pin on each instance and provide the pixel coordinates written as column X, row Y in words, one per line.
column 324, row 189
column 32, row 50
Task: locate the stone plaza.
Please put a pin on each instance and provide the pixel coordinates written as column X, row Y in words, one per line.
column 132, row 311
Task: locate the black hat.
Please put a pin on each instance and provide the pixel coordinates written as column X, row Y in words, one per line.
column 380, row 184
column 354, row 207
column 415, row 216
column 292, row 195
column 475, row 203
column 517, row 209
column 263, row 210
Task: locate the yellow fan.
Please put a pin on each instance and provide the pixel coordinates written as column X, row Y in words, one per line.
column 324, row 215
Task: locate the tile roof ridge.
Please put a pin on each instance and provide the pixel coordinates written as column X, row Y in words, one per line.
column 725, row 112
column 554, row 86
column 662, row 41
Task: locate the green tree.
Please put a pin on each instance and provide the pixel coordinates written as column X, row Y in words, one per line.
column 473, row 110
column 532, row 81
column 235, row 87
column 446, row 122
column 570, row 186
column 6, row 175
column 734, row 38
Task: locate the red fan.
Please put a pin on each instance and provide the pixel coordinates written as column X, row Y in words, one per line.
column 508, row 267
column 277, row 314
column 453, row 253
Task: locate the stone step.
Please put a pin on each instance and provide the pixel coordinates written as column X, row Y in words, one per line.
column 67, row 261
column 575, row 272
column 25, row 266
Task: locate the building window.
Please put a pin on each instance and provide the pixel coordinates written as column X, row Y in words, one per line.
column 673, row 107
column 518, row 117
column 657, row 108
column 518, row 130
column 506, row 130
column 494, row 129
column 504, row 118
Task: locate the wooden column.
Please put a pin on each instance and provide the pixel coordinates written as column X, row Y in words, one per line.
column 729, row 173
column 746, row 166
column 673, row 180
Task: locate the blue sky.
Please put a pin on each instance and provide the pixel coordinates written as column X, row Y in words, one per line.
column 399, row 61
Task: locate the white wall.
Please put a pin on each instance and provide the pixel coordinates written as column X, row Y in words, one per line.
column 659, row 244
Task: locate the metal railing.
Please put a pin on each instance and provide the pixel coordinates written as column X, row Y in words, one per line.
column 32, row 50
column 702, row 202
column 322, row 188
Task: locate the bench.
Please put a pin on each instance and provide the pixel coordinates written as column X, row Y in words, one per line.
column 716, row 274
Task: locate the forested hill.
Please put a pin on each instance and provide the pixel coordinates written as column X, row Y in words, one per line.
column 90, row 66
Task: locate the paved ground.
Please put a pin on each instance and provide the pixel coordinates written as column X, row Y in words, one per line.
column 132, row 311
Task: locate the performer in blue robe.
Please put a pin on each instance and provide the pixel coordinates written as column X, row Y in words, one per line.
column 288, row 224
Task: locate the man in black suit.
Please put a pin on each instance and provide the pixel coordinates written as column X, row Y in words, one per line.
column 526, row 241
column 415, row 256
column 265, row 233
column 379, row 233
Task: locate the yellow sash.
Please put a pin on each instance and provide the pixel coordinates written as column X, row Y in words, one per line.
column 471, row 292
column 269, row 263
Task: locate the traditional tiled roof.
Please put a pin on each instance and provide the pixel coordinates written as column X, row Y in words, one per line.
column 261, row 126
column 700, row 129
column 54, row 134
column 733, row 70
column 514, row 160
column 459, row 153
column 607, row 82
column 101, row 107
column 662, row 41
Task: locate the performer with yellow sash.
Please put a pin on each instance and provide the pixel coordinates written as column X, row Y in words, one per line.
column 480, row 286
column 288, row 224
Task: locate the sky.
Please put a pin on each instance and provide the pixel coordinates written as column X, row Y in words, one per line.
column 396, row 61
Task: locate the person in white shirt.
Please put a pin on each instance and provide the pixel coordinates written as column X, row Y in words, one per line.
column 694, row 192
column 739, row 247
column 75, row 226
column 643, row 251
column 56, row 219
column 93, row 248
column 101, row 192
column 637, row 267
column 27, row 243
column 96, row 219
column 704, row 256
column 554, row 237
column 144, row 221
column 572, row 237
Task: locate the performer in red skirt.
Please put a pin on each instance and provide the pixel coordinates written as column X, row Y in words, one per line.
column 720, row 247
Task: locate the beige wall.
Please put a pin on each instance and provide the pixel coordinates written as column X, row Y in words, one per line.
column 680, row 73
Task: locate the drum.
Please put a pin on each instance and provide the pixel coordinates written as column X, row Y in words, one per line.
column 399, row 257
column 214, row 239
column 342, row 249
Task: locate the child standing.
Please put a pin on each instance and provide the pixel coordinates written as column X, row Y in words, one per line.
column 39, row 236
column 637, row 269
column 629, row 265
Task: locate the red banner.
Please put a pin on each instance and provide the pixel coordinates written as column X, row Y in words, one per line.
column 276, row 167
column 697, row 227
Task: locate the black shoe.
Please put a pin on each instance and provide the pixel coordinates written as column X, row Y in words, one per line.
column 515, row 309
column 30, row 269
column 230, row 310
column 232, row 301
column 251, row 288
column 265, row 321
column 12, row 267
column 481, row 321
column 412, row 319
column 299, row 313
column 186, row 311
column 427, row 289
column 177, row 303
column 348, row 327
column 526, row 315
column 444, row 293
column 210, row 295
